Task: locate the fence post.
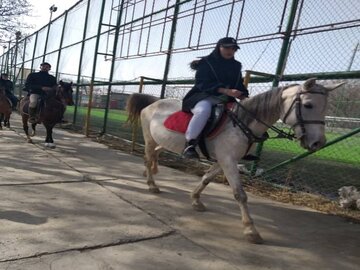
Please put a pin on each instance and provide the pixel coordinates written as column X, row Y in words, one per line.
column 88, row 113
column 135, row 126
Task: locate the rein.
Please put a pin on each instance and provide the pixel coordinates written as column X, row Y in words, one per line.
column 248, row 132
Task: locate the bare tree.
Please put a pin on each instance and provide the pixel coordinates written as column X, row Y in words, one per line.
column 11, row 12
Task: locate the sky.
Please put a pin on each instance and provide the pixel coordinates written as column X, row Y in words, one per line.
column 41, row 11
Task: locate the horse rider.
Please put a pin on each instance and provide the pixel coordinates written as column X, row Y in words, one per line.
column 37, row 83
column 218, row 79
column 9, row 89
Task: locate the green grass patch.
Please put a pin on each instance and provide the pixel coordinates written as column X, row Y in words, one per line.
column 115, row 115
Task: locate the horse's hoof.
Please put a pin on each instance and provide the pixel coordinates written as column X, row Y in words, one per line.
column 145, row 173
column 199, row 206
column 32, row 134
column 154, row 190
column 254, row 238
column 29, row 140
column 50, row 145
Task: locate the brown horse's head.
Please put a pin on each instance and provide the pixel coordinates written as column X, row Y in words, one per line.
column 66, row 92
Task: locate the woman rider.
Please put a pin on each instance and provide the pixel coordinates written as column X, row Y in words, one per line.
column 218, row 79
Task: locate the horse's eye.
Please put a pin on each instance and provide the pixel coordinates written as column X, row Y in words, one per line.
column 308, row 106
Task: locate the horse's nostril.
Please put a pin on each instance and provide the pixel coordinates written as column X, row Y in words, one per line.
column 315, row 145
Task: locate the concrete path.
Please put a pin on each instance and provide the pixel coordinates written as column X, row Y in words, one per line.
column 84, row 206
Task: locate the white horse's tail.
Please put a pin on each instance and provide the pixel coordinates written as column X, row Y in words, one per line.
column 135, row 103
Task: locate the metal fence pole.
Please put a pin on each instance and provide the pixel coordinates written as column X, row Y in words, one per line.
column 95, row 62
column 169, row 51
column 80, row 63
column 115, row 45
column 280, row 66
column 33, row 57
column 22, row 70
column 60, row 46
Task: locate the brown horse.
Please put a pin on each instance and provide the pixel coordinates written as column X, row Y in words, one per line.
column 51, row 111
column 5, row 109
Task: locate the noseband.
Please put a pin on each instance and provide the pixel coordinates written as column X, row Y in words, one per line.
column 296, row 104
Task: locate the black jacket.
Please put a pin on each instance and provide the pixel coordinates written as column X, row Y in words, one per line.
column 36, row 80
column 7, row 85
column 213, row 72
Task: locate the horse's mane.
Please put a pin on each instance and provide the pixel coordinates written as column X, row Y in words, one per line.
column 265, row 106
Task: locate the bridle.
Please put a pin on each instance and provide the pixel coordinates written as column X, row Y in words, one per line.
column 296, row 104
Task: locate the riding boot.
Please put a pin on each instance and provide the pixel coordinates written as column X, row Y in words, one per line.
column 190, row 151
column 32, row 115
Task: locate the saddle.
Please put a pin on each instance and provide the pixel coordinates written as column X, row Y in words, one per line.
column 179, row 121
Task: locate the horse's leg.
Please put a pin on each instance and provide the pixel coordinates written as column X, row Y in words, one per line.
column 1, row 119
column 33, row 132
column 231, row 172
column 26, row 127
column 206, row 179
column 154, row 166
column 150, row 158
column 49, row 142
column 7, row 119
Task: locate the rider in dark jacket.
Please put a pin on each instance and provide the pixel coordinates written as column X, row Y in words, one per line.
column 9, row 89
column 37, row 84
column 218, row 79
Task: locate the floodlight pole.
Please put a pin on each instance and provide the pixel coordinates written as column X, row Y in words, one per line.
column 52, row 9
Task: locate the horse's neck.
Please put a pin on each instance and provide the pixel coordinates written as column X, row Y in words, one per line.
column 265, row 107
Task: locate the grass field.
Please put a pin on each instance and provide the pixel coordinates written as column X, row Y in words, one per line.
column 347, row 151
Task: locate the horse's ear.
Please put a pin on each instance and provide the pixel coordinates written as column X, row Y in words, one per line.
column 71, row 83
column 309, row 83
column 333, row 86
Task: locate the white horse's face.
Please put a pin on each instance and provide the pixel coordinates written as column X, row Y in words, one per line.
column 304, row 110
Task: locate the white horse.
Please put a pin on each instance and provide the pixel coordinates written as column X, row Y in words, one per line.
column 302, row 107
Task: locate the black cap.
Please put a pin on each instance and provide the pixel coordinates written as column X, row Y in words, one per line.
column 45, row 63
column 228, row 42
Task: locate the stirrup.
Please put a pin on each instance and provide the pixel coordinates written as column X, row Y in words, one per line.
column 190, row 153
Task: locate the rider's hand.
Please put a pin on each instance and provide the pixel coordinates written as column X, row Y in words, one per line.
column 234, row 93
column 242, row 97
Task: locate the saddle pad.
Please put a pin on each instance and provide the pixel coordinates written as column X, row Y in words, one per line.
column 178, row 121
